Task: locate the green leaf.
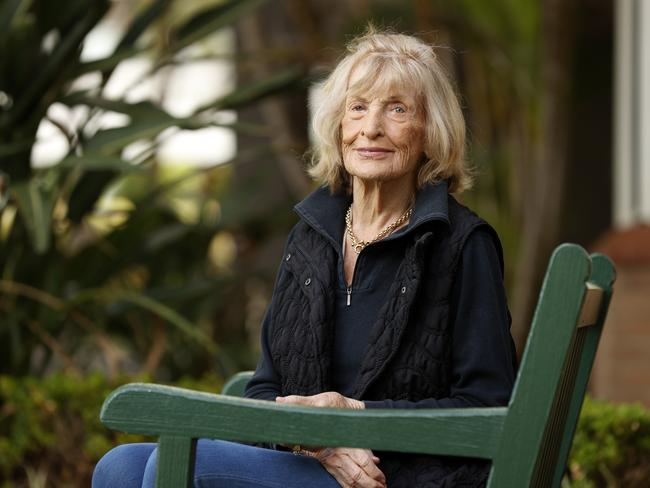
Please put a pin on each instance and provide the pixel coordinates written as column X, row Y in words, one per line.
column 144, row 110
column 208, row 21
column 256, row 90
column 35, row 206
column 50, row 16
column 154, row 306
column 180, row 322
column 199, row 26
column 66, row 51
column 147, row 121
column 139, row 25
column 99, row 163
column 142, row 22
column 87, row 191
column 109, row 62
column 112, row 141
column 9, row 9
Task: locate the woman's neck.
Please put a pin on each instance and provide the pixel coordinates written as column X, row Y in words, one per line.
column 377, row 204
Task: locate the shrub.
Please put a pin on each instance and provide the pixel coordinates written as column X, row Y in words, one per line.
column 50, row 429
column 50, row 434
column 611, row 446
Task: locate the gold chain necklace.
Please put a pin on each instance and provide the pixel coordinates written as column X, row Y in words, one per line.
column 357, row 244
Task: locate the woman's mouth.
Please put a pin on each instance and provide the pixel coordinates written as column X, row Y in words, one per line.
column 372, row 152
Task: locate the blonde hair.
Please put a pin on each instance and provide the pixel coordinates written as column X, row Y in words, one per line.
column 387, row 59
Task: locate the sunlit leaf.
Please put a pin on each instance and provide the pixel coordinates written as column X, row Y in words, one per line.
column 35, row 207
column 7, row 217
column 256, row 90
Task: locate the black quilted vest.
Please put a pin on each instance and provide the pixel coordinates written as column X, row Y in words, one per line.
column 408, row 355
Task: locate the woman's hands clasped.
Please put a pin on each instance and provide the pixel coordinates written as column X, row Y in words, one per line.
column 330, row 399
column 351, row 467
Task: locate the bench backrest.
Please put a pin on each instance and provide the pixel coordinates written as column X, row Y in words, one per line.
column 555, row 367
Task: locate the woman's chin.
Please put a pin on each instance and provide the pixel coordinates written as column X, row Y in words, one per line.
column 378, row 171
column 375, row 178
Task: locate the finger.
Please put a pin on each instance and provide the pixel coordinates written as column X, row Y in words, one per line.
column 374, row 458
column 331, row 461
column 366, row 461
column 357, row 476
column 293, row 400
column 326, row 399
column 345, row 470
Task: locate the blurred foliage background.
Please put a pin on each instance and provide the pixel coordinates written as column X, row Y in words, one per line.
column 118, row 263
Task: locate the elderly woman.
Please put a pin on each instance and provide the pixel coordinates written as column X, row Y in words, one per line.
column 390, row 292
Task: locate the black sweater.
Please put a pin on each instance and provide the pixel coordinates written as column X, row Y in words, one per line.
column 483, row 354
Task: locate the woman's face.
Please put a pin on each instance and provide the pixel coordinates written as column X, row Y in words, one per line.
column 382, row 135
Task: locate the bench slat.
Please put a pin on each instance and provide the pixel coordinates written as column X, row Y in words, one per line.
column 163, row 410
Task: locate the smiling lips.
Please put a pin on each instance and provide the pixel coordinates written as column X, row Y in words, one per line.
column 373, row 152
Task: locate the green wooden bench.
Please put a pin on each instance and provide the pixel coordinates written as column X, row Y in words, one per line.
column 528, row 441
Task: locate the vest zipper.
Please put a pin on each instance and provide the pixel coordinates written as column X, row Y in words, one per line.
column 349, row 292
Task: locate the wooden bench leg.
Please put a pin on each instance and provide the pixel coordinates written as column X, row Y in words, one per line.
column 175, row 462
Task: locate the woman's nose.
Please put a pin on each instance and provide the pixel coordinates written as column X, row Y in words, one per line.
column 373, row 125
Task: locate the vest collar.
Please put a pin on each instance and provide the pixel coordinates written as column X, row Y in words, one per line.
column 325, row 212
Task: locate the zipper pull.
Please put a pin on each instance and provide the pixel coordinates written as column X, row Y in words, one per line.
column 349, row 291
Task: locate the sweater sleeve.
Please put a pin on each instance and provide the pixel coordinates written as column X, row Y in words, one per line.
column 265, row 384
column 483, row 353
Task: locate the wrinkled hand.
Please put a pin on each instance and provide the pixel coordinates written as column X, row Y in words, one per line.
column 327, row 399
column 352, row 468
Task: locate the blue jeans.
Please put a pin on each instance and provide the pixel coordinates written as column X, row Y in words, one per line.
column 218, row 464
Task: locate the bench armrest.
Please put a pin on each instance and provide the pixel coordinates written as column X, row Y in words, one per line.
column 159, row 410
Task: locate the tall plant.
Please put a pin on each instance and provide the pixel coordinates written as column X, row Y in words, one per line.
column 65, row 280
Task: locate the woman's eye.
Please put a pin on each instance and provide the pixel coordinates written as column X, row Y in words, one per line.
column 356, row 108
column 399, row 109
